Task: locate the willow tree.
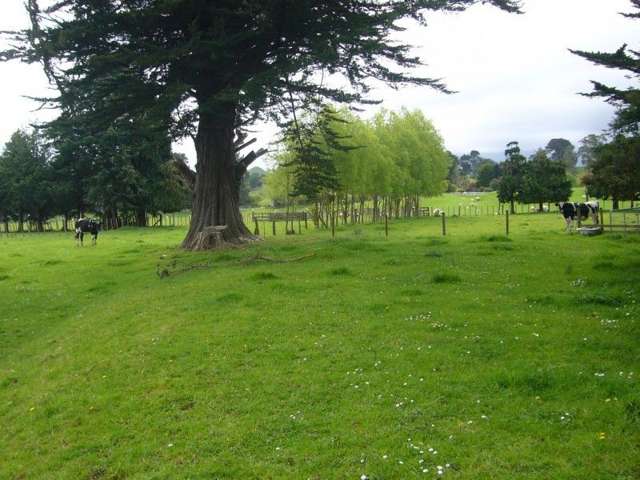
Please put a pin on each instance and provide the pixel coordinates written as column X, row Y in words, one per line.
column 218, row 65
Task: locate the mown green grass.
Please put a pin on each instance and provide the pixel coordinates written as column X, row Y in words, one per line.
column 512, row 358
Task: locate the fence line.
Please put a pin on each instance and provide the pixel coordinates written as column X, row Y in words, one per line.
column 276, row 217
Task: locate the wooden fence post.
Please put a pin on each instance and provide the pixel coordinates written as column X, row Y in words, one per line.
column 602, row 219
column 444, row 224
column 386, row 226
column 611, row 219
column 507, row 222
column 333, row 223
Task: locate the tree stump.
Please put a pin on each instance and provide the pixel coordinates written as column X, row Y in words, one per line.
column 210, row 237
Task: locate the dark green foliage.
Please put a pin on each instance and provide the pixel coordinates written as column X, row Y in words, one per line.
column 562, row 150
column 488, row 170
column 615, row 173
column 454, row 176
column 471, row 162
column 511, row 181
column 545, row 180
column 588, row 148
column 26, row 180
column 312, row 144
column 626, row 101
column 538, row 180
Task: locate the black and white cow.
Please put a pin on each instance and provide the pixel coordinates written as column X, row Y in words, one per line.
column 87, row 225
column 572, row 211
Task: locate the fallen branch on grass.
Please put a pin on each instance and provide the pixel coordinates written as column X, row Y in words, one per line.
column 261, row 258
column 164, row 272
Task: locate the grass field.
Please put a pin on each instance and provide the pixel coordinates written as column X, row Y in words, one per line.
column 489, row 357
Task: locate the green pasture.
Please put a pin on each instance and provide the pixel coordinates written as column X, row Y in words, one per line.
column 304, row 357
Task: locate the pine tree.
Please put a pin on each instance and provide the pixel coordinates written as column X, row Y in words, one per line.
column 513, row 169
column 220, row 65
column 627, row 101
column 615, row 166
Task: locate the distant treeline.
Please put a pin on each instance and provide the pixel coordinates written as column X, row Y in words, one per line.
column 121, row 176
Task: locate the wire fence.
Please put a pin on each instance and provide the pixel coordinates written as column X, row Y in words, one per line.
column 625, row 218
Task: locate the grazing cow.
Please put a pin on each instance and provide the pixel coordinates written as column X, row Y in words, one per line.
column 580, row 211
column 437, row 212
column 87, row 225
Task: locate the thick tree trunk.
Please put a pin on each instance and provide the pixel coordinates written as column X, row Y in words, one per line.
column 216, row 196
column 141, row 217
column 375, row 209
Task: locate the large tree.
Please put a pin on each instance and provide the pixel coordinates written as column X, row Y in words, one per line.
column 615, row 173
column 588, row 148
column 218, row 65
column 562, row 150
column 545, row 180
column 470, row 162
column 511, row 181
column 614, row 166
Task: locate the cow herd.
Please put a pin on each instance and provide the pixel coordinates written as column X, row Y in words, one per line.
column 579, row 211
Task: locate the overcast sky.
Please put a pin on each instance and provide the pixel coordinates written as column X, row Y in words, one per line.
column 515, row 76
